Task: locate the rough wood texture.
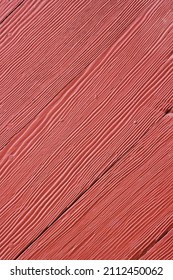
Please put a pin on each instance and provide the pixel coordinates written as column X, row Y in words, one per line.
column 86, row 130
column 49, row 44
column 125, row 212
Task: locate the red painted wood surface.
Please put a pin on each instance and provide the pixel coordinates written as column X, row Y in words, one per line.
column 86, row 130
column 125, row 212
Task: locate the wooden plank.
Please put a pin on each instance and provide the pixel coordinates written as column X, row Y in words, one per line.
column 125, row 212
column 162, row 250
column 50, row 43
column 94, row 121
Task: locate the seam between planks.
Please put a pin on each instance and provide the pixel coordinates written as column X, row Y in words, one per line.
column 10, row 13
column 152, row 244
column 167, row 111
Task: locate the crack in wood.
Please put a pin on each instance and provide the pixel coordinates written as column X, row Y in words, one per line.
column 152, row 244
column 10, row 13
column 81, row 194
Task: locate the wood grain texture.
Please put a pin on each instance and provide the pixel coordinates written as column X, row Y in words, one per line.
column 125, row 212
column 50, row 43
column 85, row 112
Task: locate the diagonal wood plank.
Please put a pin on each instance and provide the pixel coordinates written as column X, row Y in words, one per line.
column 49, row 44
column 125, row 212
column 94, row 121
